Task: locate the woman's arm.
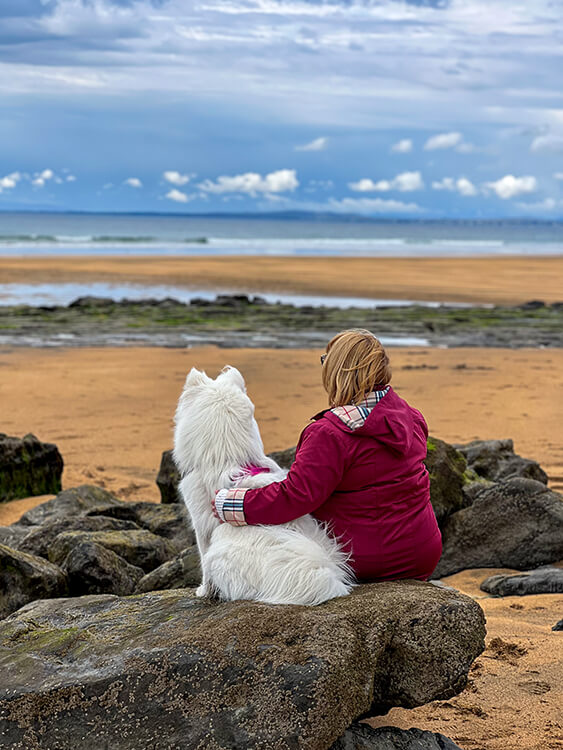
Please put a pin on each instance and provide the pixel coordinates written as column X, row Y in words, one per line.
column 318, row 469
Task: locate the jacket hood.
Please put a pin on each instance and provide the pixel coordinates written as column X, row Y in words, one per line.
column 386, row 418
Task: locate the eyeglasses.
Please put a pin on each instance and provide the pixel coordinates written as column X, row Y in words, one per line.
column 323, row 357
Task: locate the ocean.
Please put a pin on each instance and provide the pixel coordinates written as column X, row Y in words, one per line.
column 44, row 234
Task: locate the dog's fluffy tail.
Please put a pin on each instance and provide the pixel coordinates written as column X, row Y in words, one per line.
column 277, row 565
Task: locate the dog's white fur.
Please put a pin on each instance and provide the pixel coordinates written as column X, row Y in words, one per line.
column 215, row 436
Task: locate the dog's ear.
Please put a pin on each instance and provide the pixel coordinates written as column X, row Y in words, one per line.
column 196, row 377
column 234, row 376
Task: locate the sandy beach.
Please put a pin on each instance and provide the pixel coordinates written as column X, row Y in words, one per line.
column 110, row 412
column 500, row 280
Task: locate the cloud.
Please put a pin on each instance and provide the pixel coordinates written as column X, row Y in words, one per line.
column 9, row 181
column 70, row 178
column 175, row 178
column 319, row 144
column 510, row 186
column 558, row 176
column 403, row 146
column 372, row 206
column 40, row 178
column 550, row 143
column 443, row 141
column 133, row 182
column 548, row 204
column 462, row 185
column 405, row 182
column 252, row 183
column 178, row 197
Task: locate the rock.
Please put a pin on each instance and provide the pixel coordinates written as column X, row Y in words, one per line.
column 283, row 458
column 495, row 460
column 93, row 569
column 28, row 467
column 169, row 521
column 546, row 580
column 38, row 541
column 514, row 524
column 140, row 548
column 75, row 502
column 24, row 578
column 558, row 625
column 181, row 572
column 91, row 301
column 363, row 737
column 446, row 468
column 169, row 670
column 168, row 479
column 13, row 536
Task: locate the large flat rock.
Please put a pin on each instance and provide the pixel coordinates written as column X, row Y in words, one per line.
column 169, row 670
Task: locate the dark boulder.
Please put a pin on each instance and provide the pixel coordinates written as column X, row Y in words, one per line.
column 545, row 580
column 28, row 467
column 168, row 479
column 13, row 536
column 283, row 458
column 495, row 460
column 169, row 670
column 514, row 524
column 183, row 571
column 24, row 578
column 558, row 625
column 138, row 547
column 74, row 502
column 447, row 471
column 363, row 737
column 39, row 540
column 93, row 569
column 169, row 521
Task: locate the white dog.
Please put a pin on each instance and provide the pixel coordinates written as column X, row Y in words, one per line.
column 216, row 437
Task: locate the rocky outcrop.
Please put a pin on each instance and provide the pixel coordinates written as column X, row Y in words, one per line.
column 495, row 460
column 168, row 670
column 446, row 468
column 93, row 569
column 28, row 467
column 183, row 571
column 75, row 502
column 38, row 540
column 168, row 479
column 546, row 580
column 514, row 524
column 363, row 737
column 139, row 547
column 24, row 578
column 169, row 521
column 13, row 536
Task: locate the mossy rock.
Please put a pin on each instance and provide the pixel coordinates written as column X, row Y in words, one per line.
column 28, row 467
column 169, row 670
column 74, row 502
column 93, row 569
column 447, row 469
column 138, row 547
column 24, row 578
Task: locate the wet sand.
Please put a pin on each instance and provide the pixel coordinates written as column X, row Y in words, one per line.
column 110, row 412
column 500, row 280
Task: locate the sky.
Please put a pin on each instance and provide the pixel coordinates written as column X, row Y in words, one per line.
column 391, row 108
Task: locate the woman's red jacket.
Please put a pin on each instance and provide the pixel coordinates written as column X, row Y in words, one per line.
column 369, row 483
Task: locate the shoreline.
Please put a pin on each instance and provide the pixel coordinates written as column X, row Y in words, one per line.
column 506, row 280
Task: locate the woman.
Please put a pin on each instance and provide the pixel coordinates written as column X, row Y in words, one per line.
column 358, row 467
